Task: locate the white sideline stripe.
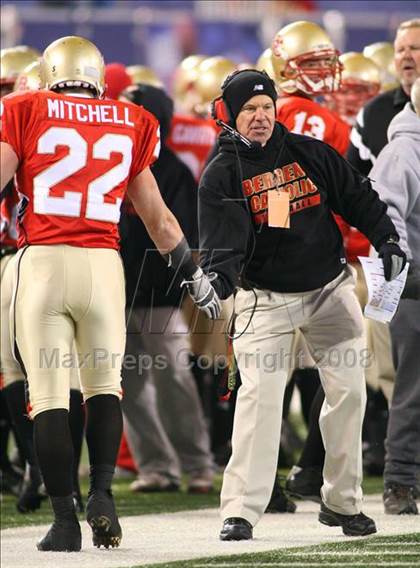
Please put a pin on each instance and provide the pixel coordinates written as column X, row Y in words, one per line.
column 194, row 535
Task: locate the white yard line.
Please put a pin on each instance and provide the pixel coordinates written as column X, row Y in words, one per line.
column 149, row 539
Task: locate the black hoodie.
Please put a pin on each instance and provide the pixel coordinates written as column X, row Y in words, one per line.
column 235, row 237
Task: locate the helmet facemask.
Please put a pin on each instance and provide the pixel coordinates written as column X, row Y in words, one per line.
column 314, row 73
column 351, row 97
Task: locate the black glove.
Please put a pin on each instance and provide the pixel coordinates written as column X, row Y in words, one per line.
column 412, row 286
column 393, row 258
column 203, row 294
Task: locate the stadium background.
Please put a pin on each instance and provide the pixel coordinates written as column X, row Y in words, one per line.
column 160, row 33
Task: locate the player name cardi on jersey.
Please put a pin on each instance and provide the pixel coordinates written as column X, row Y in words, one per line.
column 85, row 112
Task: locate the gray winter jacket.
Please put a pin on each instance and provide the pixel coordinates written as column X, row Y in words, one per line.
column 396, row 177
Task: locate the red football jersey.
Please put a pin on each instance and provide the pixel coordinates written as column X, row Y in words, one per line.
column 77, row 156
column 305, row 116
column 8, row 215
column 192, row 138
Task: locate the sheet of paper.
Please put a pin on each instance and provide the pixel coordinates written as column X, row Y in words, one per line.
column 383, row 296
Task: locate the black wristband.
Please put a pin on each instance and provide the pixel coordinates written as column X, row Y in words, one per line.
column 180, row 259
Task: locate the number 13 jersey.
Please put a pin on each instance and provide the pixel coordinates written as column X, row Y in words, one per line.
column 76, row 156
column 305, row 116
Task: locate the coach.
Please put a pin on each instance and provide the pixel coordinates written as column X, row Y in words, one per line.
column 266, row 205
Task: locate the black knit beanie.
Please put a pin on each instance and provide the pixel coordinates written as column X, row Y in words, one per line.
column 245, row 85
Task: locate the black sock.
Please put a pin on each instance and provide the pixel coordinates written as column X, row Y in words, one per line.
column 5, row 428
column 307, row 381
column 63, row 508
column 103, row 436
column 77, row 428
column 54, row 450
column 313, row 453
column 16, row 401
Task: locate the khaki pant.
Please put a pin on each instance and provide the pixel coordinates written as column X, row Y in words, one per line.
column 10, row 368
column 66, row 296
column 331, row 323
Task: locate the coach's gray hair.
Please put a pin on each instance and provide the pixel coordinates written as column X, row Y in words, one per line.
column 414, row 23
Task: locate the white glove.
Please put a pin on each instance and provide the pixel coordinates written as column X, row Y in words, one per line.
column 203, row 294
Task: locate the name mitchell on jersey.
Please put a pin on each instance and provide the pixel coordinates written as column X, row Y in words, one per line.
column 85, row 112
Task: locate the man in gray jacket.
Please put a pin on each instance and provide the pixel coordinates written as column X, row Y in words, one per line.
column 397, row 180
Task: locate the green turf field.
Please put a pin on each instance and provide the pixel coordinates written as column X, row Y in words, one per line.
column 392, row 551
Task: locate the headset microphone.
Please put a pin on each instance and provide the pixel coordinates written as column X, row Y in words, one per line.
column 235, row 134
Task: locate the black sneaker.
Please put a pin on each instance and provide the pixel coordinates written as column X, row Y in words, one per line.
column 305, row 483
column 399, row 500
column 236, row 528
column 63, row 536
column 103, row 520
column 279, row 503
column 352, row 525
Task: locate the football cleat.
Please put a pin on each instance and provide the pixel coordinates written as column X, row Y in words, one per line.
column 63, row 536
column 103, row 519
column 31, row 496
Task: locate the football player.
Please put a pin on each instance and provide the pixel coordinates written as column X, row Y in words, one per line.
column 193, row 134
column 307, row 66
column 144, row 75
column 14, row 65
column 382, row 53
column 360, row 82
column 83, row 154
column 264, row 63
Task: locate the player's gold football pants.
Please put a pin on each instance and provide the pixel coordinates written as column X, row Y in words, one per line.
column 68, row 295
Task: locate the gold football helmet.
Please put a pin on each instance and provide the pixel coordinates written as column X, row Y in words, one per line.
column 211, row 74
column 145, row 75
column 264, row 63
column 305, row 59
column 382, row 53
column 360, row 81
column 186, row 75
column 73, row 61
column 30, row 78
column 13, row 61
